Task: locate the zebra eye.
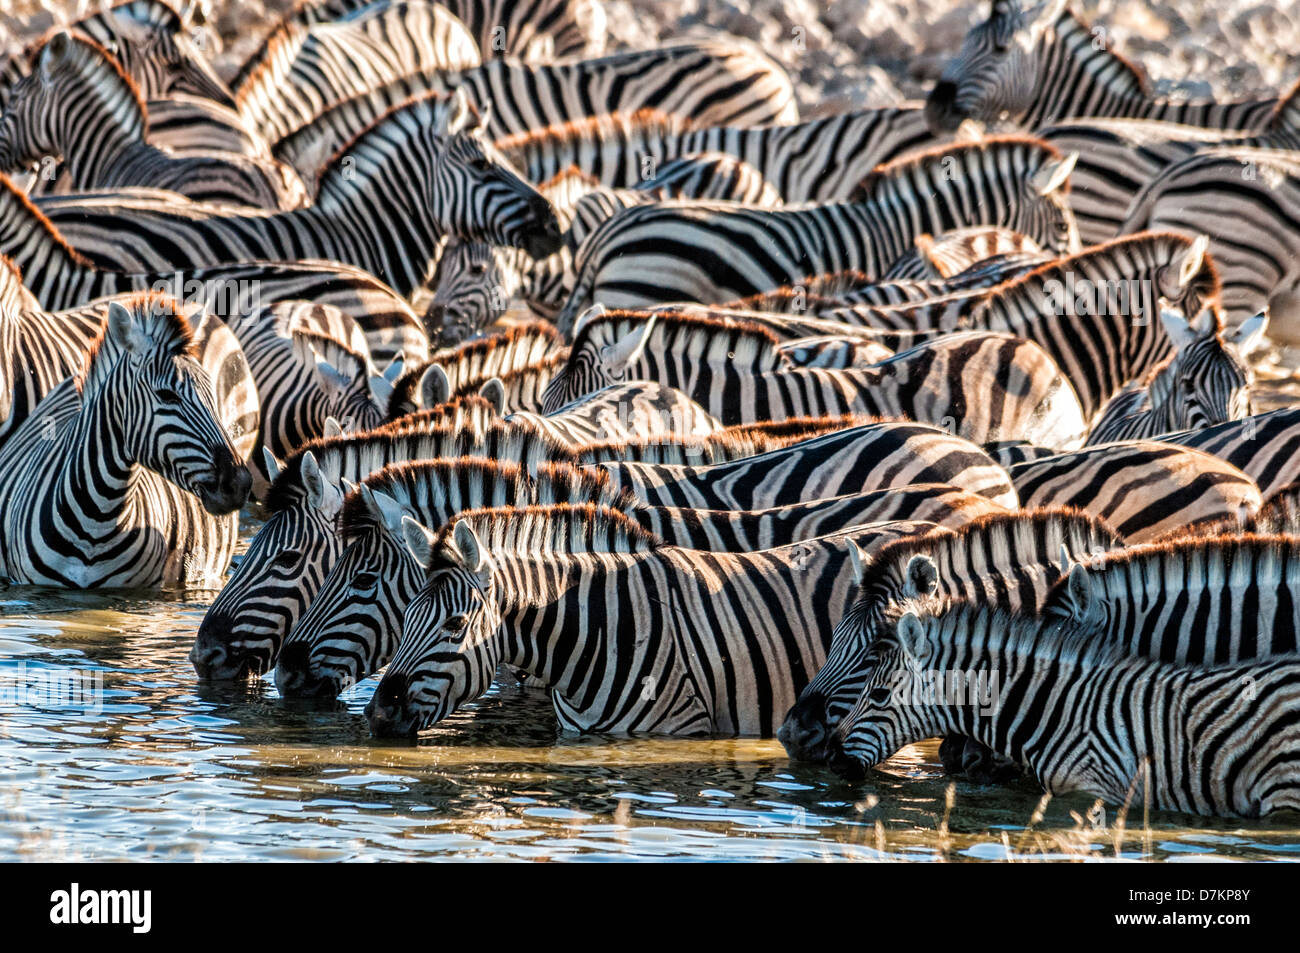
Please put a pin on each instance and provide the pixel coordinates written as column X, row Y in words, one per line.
column 478, row 268
column 479, row 164
column 168, row 396
column 365, row 580
column 287, row 558
column 879, row 696
column 455, row 625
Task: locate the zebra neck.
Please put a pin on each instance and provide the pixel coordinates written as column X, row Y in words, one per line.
column 1160, row 396
column 94, row 469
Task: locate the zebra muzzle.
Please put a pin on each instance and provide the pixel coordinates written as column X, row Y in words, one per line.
column 226, row 490
column 804, row 732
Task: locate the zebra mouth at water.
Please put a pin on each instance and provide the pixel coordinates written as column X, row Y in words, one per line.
column 224, row 492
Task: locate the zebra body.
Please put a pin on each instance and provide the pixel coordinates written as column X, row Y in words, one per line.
column 623, row 412
column 675, row 648
column 1266, row 447
column 1143, row 489
column 123, row 475
column 1083, row 716
column 1040, row 65
column 290, row 555
column 426, row 155
column 710, row 253
column 1009, row 560
column 78, row 104
column 871, row 457
column 816, row 160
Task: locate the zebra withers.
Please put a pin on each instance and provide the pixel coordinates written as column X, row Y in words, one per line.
column 630, row 635
column 1038, row 65
column 123, row 475
column 1066, row 702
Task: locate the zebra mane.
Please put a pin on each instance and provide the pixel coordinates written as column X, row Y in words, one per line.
column 1073, row 31
column 996, row 630
column 794, row 429
column 568, row 176
column 1280, row 513
column 576, row 130
column 1167, row 565
column 1286, row 114
column 720, row 447
column 746, row 344
column 549, row 365
column 163, row 324
column 822, row 289
column 331, row 180
column 334, row 352
column 563, row 528
column 1060, row 266
column 478, row 361
column 928, row 163
column 16, row 207
column 161, row 14
column 463, row 407
column 356, row 456
column 92, row 53
column 1004, row 542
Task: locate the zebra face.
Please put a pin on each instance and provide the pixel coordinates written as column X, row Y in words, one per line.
column 992, row 78
column 450, row 636
column 1207, row 382
column 241, row 634
column 179, row 434
column 484, row 198
column 471, row 290
column 26, row 137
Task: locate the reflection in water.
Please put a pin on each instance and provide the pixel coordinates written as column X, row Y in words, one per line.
column 152, row 764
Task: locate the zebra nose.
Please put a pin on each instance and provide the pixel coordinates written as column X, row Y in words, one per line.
column 940, row 108
column 213, row 658
column 803, row 733
column 544, row 237
column 843, row 764
column 387, row 709
column 434, row 316
column 294, row 676
column 227, row 489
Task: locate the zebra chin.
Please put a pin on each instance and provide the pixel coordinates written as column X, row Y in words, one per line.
column 217, row 657
column 226, row 488
column 804, row 733
column 941, row 114
column 388, row 712
column 296, row 677
column 847, row 766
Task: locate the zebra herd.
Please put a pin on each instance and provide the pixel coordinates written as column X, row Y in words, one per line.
column 610, row 373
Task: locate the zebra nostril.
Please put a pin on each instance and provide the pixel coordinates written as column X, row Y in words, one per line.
column 940, row 112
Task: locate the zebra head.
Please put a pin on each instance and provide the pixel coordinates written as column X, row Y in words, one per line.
column 479, row 193
column 279, row 574
column 472, row 287
column 896, row 663
column 449, row 647
column 164, row 55
column 1207, row 381
column 993, row 77
column 162, row 403
column 350, row 629
column 32, row 124
column 830, row 696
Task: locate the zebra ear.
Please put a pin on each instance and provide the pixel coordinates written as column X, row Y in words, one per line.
column 1053, row 174
column 435, row 386
column 123, row 330
column 626, row 350
column 381, row 389
column 494, row 392
column 857, row 560
column 272, row 463
column 419, row 540
column 332, row 427
column 472, row 555
column 922, row 577
column 1251, row 333
column 383, row 506
column 54, row 52
column 911, row 637
column 394, row 369
column 591, row 314
column 1079, row 585
column 454, row 116
column 321, row 493
column 1192, row 260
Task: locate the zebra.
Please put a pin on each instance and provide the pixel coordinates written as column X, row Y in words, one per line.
column 675, row 649
column 621, row 412
column 735, row 374
column 1248, row 202
column 1041, row 65
column 427, row 155
column 473, row 284
column 533, row 31
column 1092, row 312
column 1081, row 715
column 816, row 160
column 713, row 252
column 123, row 475
column 304, row 68
column 1144, row 489
column 78, row 104
column 1266, row 447
column 1206, row 381
column 873, row 456
column 280, row 573
column 1008, row 560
